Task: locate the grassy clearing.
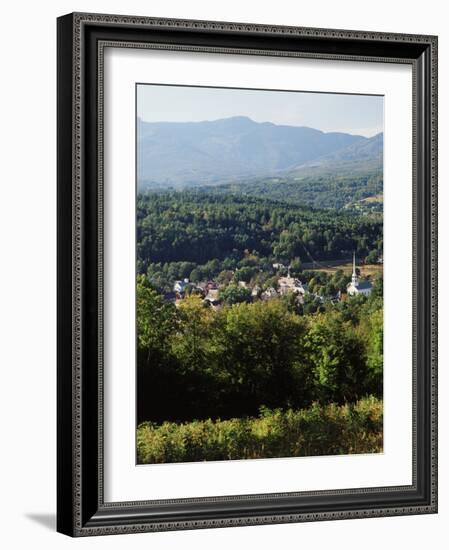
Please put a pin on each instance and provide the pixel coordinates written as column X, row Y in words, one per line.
column 372, row 270
column 319, row 430
column 374, row 198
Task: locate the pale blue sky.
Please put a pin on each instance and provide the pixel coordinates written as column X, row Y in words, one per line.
column 354, row 114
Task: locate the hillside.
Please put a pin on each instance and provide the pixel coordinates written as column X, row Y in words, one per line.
column 320, row 189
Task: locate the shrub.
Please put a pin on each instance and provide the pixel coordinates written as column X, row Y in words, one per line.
column 319, row 430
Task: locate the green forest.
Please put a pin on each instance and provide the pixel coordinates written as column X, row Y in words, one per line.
column 202, row 235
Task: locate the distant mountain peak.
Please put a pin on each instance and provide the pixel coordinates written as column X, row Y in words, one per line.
column 233, row 121
column 227, row 149
column 236, row 118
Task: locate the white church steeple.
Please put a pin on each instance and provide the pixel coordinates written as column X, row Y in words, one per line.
column 354, row 279
column 355, row 287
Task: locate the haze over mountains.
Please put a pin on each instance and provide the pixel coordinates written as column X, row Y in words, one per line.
column 185, row 154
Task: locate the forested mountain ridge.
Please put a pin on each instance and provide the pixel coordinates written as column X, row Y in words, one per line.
column 212, row 152
column 367, row 150
column 321, row 190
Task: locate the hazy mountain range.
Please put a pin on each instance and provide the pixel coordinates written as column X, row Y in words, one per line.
column 184, row 154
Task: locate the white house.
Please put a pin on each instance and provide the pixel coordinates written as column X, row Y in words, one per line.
column 290, row 284
column 180, row 286
column 356, row 287
column 255, row 292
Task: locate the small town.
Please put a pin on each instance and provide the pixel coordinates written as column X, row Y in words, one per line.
column 213, row 292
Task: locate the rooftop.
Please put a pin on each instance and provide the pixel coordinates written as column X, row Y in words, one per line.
column 365, row 285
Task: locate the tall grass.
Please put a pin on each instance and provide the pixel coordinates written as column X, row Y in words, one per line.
column 319, row 430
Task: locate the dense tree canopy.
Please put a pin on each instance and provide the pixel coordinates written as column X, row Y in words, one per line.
column 196, row 235
column 198, row 363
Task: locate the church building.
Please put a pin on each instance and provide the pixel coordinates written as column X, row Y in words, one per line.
column 356, row 287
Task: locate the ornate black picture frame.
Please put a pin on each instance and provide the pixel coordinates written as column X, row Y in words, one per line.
column 81, row 509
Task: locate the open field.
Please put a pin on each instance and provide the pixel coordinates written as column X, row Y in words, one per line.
column 374, row 198
column 371, row 270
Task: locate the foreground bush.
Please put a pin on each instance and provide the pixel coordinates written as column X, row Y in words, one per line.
column 197, row 363
column 319, row 430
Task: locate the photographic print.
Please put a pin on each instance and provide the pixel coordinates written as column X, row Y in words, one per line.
column 225, row 357
column 259, row 273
